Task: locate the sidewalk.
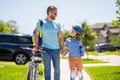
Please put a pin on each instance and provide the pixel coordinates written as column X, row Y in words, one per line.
column 112, row 59
column 65, row 74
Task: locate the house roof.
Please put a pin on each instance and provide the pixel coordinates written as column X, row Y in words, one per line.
column 109, row 24
column 104, row 33
column 98, row 25
column 114, row 31
column 101, row 25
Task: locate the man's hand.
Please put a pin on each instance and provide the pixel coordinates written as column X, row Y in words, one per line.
column 64, row 51
column 35, row 48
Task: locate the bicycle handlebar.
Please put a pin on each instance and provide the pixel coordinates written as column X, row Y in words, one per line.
column 33, row 49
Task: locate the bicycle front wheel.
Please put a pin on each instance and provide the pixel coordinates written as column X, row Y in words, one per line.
column 31, row 73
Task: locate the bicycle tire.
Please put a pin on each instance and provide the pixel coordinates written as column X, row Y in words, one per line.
column 30, row 73
column 36, row 73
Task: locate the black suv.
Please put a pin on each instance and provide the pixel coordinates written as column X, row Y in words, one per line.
column 107, row 47
column 11, row 47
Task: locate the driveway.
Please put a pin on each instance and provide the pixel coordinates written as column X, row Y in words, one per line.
column 113, row 59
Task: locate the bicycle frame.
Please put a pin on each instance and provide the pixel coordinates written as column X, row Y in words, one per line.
column 33, row 72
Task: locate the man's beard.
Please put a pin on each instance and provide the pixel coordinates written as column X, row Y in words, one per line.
column 53, row 18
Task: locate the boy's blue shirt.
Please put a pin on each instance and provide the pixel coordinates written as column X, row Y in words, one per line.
column 50, row 34
column 73, row 45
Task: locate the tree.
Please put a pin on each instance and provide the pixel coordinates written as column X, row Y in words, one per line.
column 1, row 26
column 4, row 27
column 115, row 40
column 117, row 21
column 66, row 34
column 8, row 27
column 89, row 36
column 13, row 26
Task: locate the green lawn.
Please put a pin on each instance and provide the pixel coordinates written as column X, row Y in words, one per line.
column 92, row 53
column 104, row 72
column 112, row 52
column 106, row 53
column 11, row 71
column 87, row 61
column 91, row 61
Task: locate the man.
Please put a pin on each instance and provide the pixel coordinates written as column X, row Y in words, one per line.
column 52, row 39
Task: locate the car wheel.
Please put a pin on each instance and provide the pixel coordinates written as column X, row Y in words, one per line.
column 20, row 58
column 116, row 49
column 100, row 51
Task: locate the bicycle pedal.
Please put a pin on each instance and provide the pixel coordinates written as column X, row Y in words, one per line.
column 40, row 73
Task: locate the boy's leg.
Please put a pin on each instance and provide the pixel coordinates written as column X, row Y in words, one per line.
column 72, row 75
column 79, row 67
column 80, row 74
column 72, row 68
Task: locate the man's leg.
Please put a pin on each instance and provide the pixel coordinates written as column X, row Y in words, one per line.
column 47, row 65
column 56, row 63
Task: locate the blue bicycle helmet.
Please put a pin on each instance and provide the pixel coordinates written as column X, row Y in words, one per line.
column 78, row 29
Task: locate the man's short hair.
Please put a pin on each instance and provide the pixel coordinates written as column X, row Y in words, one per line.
column 51, row 9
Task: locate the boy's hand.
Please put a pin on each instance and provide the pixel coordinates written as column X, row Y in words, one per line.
column 64, row 54
column 65, row 51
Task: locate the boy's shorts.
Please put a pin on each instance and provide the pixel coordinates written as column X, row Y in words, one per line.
column 75, row 63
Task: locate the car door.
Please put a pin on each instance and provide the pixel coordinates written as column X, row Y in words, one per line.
column 109, row 47
column 6, row 42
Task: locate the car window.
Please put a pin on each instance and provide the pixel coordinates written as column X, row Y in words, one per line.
column 107, row 45
column 6, row 39
column 24, row 40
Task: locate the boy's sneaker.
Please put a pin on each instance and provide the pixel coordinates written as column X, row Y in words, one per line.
column 81, row 78
column 80, row 75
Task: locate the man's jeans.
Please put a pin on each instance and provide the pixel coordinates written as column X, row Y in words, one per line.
column 54, row 55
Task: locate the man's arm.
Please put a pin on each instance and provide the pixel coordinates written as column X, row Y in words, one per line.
column 37, row 32
column 61, row 41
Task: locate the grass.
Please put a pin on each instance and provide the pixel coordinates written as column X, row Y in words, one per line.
column 104, row 72
column 95, row 53
column 11, row 71
column 92, row 53
column 112, row 52
column 87, row 61
column 91, row 61
column 105, row 53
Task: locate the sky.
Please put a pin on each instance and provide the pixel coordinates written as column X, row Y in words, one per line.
column 70, row 12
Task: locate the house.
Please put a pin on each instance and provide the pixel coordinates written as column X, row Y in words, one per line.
column 113, row 32
column 105, row 31
column 102, row 37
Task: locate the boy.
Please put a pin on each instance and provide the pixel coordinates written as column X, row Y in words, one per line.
column 73, row 45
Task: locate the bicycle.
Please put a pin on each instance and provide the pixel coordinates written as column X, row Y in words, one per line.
column 33, row 71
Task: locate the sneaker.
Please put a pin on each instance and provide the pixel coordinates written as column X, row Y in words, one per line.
column 81, row 78
column 80, row 75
